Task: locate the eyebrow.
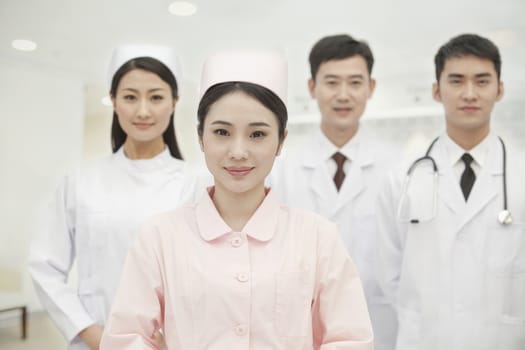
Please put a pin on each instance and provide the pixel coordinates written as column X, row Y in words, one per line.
column 258, row 124
column 353, row 76
column 149, row 91
column 480, row 75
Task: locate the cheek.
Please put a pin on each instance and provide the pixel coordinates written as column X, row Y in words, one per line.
column 267, row 153
column 165, row 111
column 123, row 112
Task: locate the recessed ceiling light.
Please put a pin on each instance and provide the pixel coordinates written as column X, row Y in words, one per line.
column 182, row 8
column 106, row 101
column 24, row 45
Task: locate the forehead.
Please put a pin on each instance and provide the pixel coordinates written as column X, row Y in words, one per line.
column 141, row 78
column 468, row 66
column 354, row 65
column 239, row 108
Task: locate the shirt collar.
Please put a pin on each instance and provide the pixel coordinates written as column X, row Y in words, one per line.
column 161, row 161
column 261, row 226
column 349, row 149
column 479, row 152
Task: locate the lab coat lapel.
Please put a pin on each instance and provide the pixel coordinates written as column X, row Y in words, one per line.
column 314, row 165
column 487, row 184
column 449, row 191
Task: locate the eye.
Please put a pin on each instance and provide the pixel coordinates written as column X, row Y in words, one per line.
column 483, row 82
column 130, row 97
column 331, row 82
column 455, row 81
column 257, row 134
column 221, row 132
column 157, row 98
column 356, row 83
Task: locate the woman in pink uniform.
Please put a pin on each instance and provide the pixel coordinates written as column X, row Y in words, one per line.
column 238, row 269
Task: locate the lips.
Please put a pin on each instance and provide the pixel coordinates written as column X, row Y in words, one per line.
column 469, row 109
column 238, row 171
column 143, row 125
column 342, row 110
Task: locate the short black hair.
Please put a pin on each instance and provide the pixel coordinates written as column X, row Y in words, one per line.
column 265, row 96
column 467, row 45
column 118, row 136
column 338, row 47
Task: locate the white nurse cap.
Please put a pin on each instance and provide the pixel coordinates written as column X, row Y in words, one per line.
column 266, row 68
column 164, row 54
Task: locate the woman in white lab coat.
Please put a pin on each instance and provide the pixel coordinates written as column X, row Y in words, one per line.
column 238, row 269
column 449, row 262
column 97, row 210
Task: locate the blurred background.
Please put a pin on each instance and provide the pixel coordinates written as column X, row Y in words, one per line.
column 53, row 85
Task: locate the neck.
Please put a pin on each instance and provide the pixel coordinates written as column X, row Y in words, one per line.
column 339, row 137
column 143, row 150
column 468, row 139
column 237, row 208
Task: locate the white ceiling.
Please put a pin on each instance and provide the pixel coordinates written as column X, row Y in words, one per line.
column 77, row 37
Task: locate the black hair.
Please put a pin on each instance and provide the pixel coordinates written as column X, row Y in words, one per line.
column 338, row 47
column 118, row 136
column 465, row 45
column 265, row 96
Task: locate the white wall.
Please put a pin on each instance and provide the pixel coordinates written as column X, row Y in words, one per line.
column 40, row 137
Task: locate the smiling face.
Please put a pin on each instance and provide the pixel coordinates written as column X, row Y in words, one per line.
column 143, row 103
column 468, row 88
column 342, row 89
column 240, row 140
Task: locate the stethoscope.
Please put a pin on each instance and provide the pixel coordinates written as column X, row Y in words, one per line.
column 504, row 216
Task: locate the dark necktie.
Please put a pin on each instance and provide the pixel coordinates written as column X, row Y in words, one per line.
column 339, row 174
column 468, row 177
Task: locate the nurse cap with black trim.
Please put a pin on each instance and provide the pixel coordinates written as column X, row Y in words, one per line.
column 164, row 54
column 265, row 68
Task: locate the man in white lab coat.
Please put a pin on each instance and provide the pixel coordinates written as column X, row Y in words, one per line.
column 337, row 172
column 451, row 259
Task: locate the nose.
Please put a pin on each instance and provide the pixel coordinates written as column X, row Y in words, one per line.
column 469, row 92
column 238, row 149
column 343, row 92
column 143, row 111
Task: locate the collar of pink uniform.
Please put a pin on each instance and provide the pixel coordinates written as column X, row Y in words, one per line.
column 261, row 226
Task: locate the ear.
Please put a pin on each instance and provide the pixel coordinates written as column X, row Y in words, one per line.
column 501, row 91
column 436, row 94
column 281, row 143
column 372, row 87
column 311, row 87
column 175, row 101
column 201, row 145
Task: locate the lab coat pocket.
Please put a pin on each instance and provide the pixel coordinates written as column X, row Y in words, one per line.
column 505, row 272
column 292, row 304
column 505, row 249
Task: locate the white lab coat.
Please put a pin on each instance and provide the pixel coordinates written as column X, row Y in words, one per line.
column 93, row 219
column 458, row 281
column 303, row 180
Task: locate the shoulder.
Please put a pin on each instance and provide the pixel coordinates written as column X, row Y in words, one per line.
column 84, row 174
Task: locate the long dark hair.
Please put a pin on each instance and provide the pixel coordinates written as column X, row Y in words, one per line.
column 265, row 96
column 118, row 136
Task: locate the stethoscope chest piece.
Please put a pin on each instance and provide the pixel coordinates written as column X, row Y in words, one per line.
column 504, row 217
